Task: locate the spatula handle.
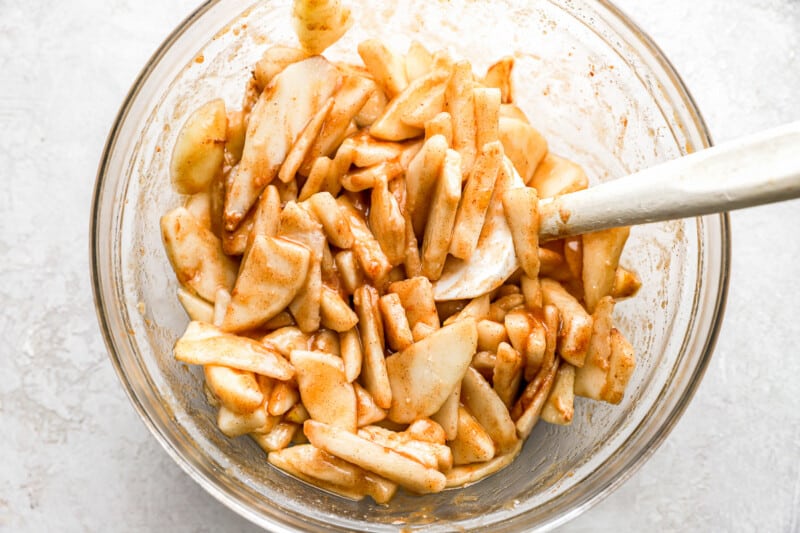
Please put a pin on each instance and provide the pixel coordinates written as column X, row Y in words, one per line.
column 754, row 170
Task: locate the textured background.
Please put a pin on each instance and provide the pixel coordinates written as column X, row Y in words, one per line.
column 76, row 458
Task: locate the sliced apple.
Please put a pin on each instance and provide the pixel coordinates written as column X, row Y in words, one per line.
column 421, row 176
column 559, row 407
column 590, row 380
column 477, row 308
column 236, row 389
column 416, row 297
column 447, row 415
column 425, row 374
column 234, row 424
column 442, row 217
column 387, row 222
column 427, row 430
column 523, row 145
column 283, row 397
column 203, row 344
column 556, row 175
column 490, row 411
column 529, row 405
column 507, row 373
column 334, row 221
column 521, row 208
column 286, row 339
column 349, row 99
column 367, row 250
column 432, row 455
column 297, row 414
column 621, row 367
column 373, row 369
column 196, row 254
column 200, row 148
column 463, row 475
column 369, row 151
column 325, row 340
column 576, row 329
column 386, row 67
column 499, row 75
column 324, row 389
column 490, row 335
column 276, row 439
column 626, row 284
column 368, row 410
column 335, row 312
column 196, row 307
column 419, row 60
column 330, row 473
column 371, row 456
column 407, row 113
column 271, row 277
column 472, row 443
column 299, row 225
column 395, row 323
column 352, row 354
column 319, row 24
column 601, row 251
column 275, row 59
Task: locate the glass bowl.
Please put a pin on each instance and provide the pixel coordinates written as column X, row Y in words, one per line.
column 602, row 94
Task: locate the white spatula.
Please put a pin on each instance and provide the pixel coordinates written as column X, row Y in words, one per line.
column 754, row 170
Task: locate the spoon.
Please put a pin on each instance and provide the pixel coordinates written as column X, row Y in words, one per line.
column 754, row 170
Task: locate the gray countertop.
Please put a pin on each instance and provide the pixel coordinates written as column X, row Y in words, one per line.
column 77, row 458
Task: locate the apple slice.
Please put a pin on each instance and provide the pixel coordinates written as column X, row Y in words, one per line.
column 331, row 473
column 298, row 225
column 507, row 373
column 335, row 313
column 427, row 430
column 324, row 389
column 287, row 339
column 368, row 410
column 196, row 254
column 576, row 330
column 601, row 252
column 430, row 454
column 270, row 278
column 590, row 380
column 460, row 476
column 196, row 307
column 559, row 407
column 621, row 367
column 236, row 389
column 352, row 354
column 472, row 444
column 371, row 456
column 523, row 145
column 425, row 374
column 277, row 438
column 284, row 396
column 235, row 424
column 373, row 363
column 490, row 411
column 416, row 297
column 203, row 344
column 447, row 415
column 200, row 148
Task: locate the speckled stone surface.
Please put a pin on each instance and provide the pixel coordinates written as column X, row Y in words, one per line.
column 75, row 456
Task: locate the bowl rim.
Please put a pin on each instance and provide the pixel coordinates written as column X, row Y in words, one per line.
column 209, row 485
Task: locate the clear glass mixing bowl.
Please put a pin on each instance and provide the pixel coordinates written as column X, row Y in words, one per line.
column 600, row 91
